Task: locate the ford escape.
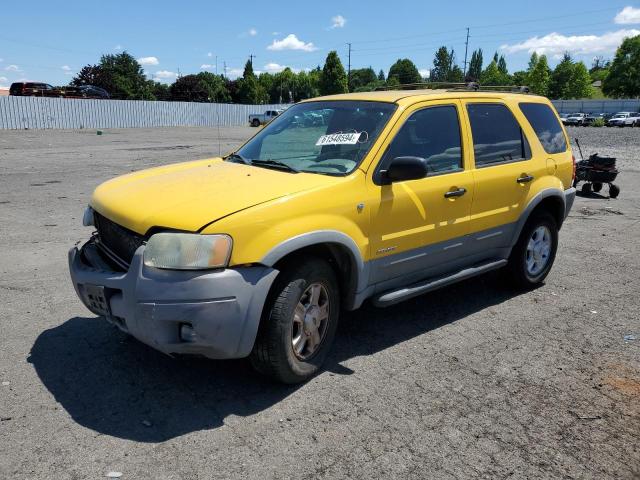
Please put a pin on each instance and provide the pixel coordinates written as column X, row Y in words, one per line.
column 383, row 196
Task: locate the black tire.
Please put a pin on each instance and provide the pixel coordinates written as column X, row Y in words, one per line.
column 597, row 186
column 614, row 191
column 273, row 353
column 255, row 122
column 519, row 274
column 586, row 189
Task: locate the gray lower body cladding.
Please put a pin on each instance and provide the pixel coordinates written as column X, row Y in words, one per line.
column 222, row 307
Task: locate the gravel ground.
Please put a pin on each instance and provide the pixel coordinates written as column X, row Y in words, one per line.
column 472, row 381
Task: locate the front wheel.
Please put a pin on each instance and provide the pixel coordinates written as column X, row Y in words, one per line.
column 533, row 255
column 299, row 322
column 255, row 122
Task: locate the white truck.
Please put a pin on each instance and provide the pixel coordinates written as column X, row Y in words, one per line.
column 257, row 119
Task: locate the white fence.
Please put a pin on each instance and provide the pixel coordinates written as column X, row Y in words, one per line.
column 37, row 113
column 596, row 106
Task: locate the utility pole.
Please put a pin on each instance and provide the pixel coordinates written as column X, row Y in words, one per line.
column 466, row 50
column 216, row 65
column 225, row 68
column 251, row 57
column 349, row 70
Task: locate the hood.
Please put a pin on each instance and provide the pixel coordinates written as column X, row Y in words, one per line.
column 187, row 196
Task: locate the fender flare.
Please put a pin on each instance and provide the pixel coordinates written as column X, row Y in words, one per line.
column 535, row 201
column 320, row 237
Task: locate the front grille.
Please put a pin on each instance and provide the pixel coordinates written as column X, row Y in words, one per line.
column 116, row 240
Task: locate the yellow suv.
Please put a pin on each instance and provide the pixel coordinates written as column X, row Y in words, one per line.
column 381, row 196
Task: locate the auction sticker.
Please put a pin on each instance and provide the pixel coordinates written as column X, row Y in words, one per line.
column 338, row 139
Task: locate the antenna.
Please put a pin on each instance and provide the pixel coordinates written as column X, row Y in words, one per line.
column 349, row 70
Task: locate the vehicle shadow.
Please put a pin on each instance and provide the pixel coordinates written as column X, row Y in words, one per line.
column 114, row 385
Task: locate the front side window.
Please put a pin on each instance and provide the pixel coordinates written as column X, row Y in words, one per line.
column 546, row 126
column 433, row 134
column 330, row 138
column 497, row 136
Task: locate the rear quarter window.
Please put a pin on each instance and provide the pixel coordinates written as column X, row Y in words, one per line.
column 546, row 125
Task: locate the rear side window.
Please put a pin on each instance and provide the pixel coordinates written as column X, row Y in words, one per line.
column 497, row 136
column 546, row 126
column 433, row 134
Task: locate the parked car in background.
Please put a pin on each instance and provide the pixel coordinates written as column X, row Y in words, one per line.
column 85, row 91
column 34, row 89
column 624, row 119
column 257, row 119
column 592, row 118
column 563, row 118
column 575, row 119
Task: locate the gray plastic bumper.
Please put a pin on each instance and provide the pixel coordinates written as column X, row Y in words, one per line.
column 223, row 307
column 569, row 197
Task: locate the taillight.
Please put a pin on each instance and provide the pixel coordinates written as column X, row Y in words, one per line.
column 573, row 160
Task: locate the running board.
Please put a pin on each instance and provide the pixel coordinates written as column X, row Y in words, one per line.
column 405, row 293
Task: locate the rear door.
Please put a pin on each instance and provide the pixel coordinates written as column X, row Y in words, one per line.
column 504, row 170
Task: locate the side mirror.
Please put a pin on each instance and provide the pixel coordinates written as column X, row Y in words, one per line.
column 405, row 168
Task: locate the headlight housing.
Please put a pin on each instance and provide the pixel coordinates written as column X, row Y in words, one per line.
column 187, row 251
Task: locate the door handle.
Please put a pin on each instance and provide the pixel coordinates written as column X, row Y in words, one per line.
column 455, row 193
column 524, row 179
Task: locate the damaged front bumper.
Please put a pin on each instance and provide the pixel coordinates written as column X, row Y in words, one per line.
column 220, row 309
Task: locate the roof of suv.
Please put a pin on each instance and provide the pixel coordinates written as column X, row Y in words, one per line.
column 397, row 96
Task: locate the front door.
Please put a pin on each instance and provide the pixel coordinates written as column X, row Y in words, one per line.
column 416, row 224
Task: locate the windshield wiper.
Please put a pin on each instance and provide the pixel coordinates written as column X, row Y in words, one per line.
column 275, row 164
column 239, row 157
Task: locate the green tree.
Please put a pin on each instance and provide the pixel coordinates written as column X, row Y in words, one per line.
column 560, row 79
column 580, row 83
column 456, row 75
column 442, row 63
column 381, row 75
column 538, row 75
column 333, row 78
column 475, row 66
column 160, row 91
column 623, row 79
column 363, row 78
column 249, row 89
column 306, row 86
column 203, row 87
column 493, row 76
column 502, row 65
column 405, row 71
column 520, row 78
column 533, row 60
column 120, row 74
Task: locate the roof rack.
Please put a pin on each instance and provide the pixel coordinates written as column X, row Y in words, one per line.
column 453, row 86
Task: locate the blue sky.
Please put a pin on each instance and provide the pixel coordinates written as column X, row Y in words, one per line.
column 50, row 42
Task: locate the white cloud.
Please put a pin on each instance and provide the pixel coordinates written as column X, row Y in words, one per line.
column 338, row 21
column 67, row 70
column 273, row 67
column 425, row 72
column 206, row 66
column 556, row 43
column 4, row 80
column 291, row 42
column 253, row 32
column 13, row 68
column 234, row 73
column 148, row 61
column 165, row 75
column 118, row 47
column 275, row 33
column 210, row 54
column 628, row 16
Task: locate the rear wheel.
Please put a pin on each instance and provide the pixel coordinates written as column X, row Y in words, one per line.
column 255, row 122
column 533, row 255
column 299, row 322
column 597, row 186
column 614, row 191
column 586, row 189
